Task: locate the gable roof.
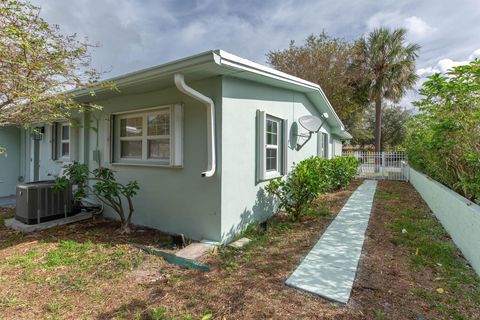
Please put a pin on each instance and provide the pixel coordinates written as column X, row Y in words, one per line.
column 214, row 63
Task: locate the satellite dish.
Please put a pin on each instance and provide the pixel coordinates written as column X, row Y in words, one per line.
column 310, row 123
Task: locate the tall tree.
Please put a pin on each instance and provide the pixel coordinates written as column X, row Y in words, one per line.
column 394, row 131
column 37, row 64
column 388, row 65
column 325, row 60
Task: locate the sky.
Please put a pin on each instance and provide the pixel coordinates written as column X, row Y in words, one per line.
column 135, row 34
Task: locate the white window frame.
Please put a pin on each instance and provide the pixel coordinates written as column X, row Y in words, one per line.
column 323, row 144
column 64, row 141
column 276, row 172
column 281, row 146
column 58, row 141
column 175, row 137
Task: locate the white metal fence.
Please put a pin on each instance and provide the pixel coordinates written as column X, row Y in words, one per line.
column 381, row 165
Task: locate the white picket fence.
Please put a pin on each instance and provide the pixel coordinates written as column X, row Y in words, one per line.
column 381, row 165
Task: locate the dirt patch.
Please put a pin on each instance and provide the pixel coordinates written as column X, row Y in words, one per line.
column 242, row 284
column 245, row 283
column 399, row 273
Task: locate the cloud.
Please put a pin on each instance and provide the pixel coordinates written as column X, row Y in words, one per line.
column 444, row 64
column 418, row 28
column 136, row 34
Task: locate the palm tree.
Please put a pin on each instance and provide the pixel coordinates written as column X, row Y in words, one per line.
column 388, row 65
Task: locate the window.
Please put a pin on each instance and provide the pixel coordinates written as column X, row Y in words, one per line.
column 149, row 136
column 61, row 136
column 323, row 145
column 65, row 140
column 272, row 146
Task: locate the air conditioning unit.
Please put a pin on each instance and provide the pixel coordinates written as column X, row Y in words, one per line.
column 38, row 202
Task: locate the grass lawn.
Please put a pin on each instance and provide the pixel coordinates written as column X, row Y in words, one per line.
column 89, row 271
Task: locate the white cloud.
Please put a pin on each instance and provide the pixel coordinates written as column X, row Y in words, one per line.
column 418, row 28
column 139, row 33
column 427, row 71
column 475, row 55
column 443, row 65
column 446, row 64
column 384, row 19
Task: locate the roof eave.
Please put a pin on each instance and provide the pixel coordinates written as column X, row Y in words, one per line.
column 144, row 75
column 230, row 60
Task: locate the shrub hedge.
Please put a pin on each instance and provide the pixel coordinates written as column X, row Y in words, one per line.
column 308, row 179
column 443, row 139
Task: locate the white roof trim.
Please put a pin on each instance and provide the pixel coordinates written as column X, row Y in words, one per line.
column 222, row 59
column 232, row 60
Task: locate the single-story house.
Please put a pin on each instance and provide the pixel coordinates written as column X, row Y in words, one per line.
column 201, row 135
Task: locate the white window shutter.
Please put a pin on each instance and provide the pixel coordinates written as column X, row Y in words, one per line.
column 177, row 136
column 284, row 147
column 260, row 145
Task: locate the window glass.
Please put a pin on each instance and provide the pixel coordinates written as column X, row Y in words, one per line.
column 159, row 149
column 131, row 149
column 159, row 124
column 131, row 127
column 271, row 160
column 65, row 149
column 272, row 132
column 144, row 136
column 65, row 132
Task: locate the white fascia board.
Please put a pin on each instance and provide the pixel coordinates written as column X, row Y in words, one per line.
column 196, row 61
column 248, row 65
column 343, row 135
column 231, row 60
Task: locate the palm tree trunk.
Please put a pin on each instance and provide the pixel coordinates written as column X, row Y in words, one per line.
column 378, row 123
column 378, row 131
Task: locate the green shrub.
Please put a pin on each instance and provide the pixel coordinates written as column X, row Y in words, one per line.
column 308, row 179
column 443, row 139
column 105, row 187
column 342, row 171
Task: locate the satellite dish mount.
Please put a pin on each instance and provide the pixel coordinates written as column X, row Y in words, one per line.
column 312, row 124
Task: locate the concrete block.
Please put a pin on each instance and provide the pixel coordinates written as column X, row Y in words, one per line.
column 27, row 228
column 239, row 243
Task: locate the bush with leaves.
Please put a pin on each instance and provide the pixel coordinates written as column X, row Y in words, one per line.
column 308, row 179
column 104, row 186
column 443, row 139
column 343, row 169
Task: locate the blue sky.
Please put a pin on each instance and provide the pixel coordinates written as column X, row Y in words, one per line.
column 135, row 34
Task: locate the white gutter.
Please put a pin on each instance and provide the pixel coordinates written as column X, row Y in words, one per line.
column 184, row 88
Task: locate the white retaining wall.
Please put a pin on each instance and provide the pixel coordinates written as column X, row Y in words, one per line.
column 459, row 216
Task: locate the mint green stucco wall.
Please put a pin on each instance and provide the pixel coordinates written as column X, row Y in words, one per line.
column 179, row 200
column 9, row 163
column 50, row 168
column 243, row 200
column 175, row 200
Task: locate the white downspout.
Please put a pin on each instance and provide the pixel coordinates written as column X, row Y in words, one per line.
column 183, row 87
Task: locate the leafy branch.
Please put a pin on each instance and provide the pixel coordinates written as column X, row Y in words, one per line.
column 104, row 186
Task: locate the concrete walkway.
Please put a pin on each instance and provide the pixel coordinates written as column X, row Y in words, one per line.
column 329, row 268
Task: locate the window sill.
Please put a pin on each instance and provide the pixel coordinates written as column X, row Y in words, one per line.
column 159, row 165
column 271, row 176
column 62, row 160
